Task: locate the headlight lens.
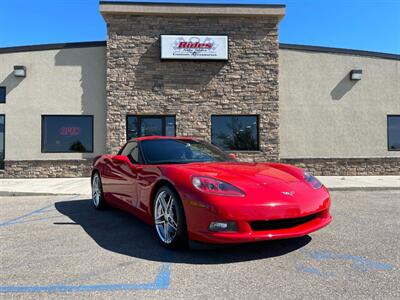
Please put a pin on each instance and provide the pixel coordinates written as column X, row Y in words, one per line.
column 215, row 187
column 313, row 181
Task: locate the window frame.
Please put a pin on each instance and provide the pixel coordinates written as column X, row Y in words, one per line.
column 139, row 123
column 42, row 150
column 387, row 131
column 5, row 94
column 239, row 115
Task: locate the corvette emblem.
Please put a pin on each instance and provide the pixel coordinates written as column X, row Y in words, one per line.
column 288, row 193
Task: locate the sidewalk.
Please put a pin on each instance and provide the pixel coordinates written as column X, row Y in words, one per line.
column 67, row 186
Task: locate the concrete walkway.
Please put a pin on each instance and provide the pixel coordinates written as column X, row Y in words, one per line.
column 64, row 186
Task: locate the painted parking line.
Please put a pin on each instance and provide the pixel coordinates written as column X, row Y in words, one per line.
column 44, row 209
column 161, row 282
column 359, row 263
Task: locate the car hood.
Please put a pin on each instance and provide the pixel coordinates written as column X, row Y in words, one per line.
column 278, row 190
column 242, row 174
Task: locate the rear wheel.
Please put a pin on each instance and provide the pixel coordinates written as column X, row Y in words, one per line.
column 169, row 219
column 97, row 192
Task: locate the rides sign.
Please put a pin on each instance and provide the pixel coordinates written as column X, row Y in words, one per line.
column 199, row 47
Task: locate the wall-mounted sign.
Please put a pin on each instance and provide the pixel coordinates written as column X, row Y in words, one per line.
column 69, row 131
column 194, row 47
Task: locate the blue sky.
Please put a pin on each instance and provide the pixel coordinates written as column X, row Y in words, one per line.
column 372, row 25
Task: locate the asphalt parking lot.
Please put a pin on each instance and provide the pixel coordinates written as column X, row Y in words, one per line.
column 60, row 247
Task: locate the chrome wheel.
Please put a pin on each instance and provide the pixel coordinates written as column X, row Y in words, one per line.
column 96, row 190
column 165, row 216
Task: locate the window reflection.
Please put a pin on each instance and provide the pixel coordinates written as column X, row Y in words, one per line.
column 150, row 125
column 67, row 134
column 394, row 133
column 235, row 132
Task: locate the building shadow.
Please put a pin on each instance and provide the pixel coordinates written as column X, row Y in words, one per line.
column 342, row 88
column 11, row 82
column 93, row 87
column 120, row 232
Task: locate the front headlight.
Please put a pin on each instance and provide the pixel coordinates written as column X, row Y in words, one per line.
column 313, row 181
column 215, row 187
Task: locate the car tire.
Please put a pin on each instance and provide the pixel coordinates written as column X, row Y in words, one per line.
column 97, row 192
column 169, row 219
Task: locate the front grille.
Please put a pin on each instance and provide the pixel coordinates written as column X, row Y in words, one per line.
column 280, row 223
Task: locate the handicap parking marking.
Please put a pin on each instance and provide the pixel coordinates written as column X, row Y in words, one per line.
column 161, row 282
column 359, row 263
column 41, row 210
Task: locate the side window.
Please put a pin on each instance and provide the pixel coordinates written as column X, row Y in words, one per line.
column 128, row 148
column 131, row 150
column 134, row 156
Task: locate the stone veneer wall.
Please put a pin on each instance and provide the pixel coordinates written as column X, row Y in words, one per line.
column 46, row 168
column 348, row 166
column 139, row 83
column 317, row 166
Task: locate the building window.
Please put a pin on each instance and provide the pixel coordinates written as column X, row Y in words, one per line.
column 137, row 126
column 2, row 139
column 67, row 134
column 393, row 125
column 235, row 132
column 2, row 94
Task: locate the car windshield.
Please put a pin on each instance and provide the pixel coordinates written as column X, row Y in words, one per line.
column 175, row 151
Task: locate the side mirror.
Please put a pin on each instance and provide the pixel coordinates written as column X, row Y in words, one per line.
column 121, row 159
column 233, row 156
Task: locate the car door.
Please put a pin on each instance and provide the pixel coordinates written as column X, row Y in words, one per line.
column 125, row 175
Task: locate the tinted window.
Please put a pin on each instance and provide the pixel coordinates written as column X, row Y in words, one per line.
column 2, row 136
column 164, row 151
column 150, row 125
column 235, row 132
column 394, row 133
column 2, row 94
column 67, row 134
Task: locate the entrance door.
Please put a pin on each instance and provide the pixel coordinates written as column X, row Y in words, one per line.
column 149, row 125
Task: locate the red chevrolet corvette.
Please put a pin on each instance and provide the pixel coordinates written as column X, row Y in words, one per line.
column 189, row 189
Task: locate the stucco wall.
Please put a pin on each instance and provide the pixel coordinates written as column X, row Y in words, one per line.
column 325, row 115
column 66, row 81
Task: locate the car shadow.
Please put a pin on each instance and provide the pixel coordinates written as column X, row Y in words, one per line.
column 122, row 233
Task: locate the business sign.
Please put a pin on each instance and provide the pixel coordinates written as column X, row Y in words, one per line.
column 194, row 47
column 69, row 131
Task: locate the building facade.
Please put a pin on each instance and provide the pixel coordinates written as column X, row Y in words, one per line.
column 265, row 102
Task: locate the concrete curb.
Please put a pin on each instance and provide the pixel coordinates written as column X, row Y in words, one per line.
column 23, row 194
column 364, row 188
column 334, row 189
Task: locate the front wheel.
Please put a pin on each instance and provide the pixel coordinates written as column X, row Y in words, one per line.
column 169, row 219
column 97, row 192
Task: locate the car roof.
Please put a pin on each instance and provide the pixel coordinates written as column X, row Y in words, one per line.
column 159, row 137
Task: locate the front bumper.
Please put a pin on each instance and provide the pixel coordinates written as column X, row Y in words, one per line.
column 199, row 217
column 246, row 234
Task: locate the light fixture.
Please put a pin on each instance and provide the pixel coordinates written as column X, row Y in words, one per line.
column 355, row 74
column 19, row 71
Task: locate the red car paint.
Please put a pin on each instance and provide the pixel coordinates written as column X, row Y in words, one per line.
column 272, row 192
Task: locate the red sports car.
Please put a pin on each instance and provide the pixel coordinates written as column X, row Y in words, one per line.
column 189, row 189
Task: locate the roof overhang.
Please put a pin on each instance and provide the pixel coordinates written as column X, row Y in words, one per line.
column 176, row 9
